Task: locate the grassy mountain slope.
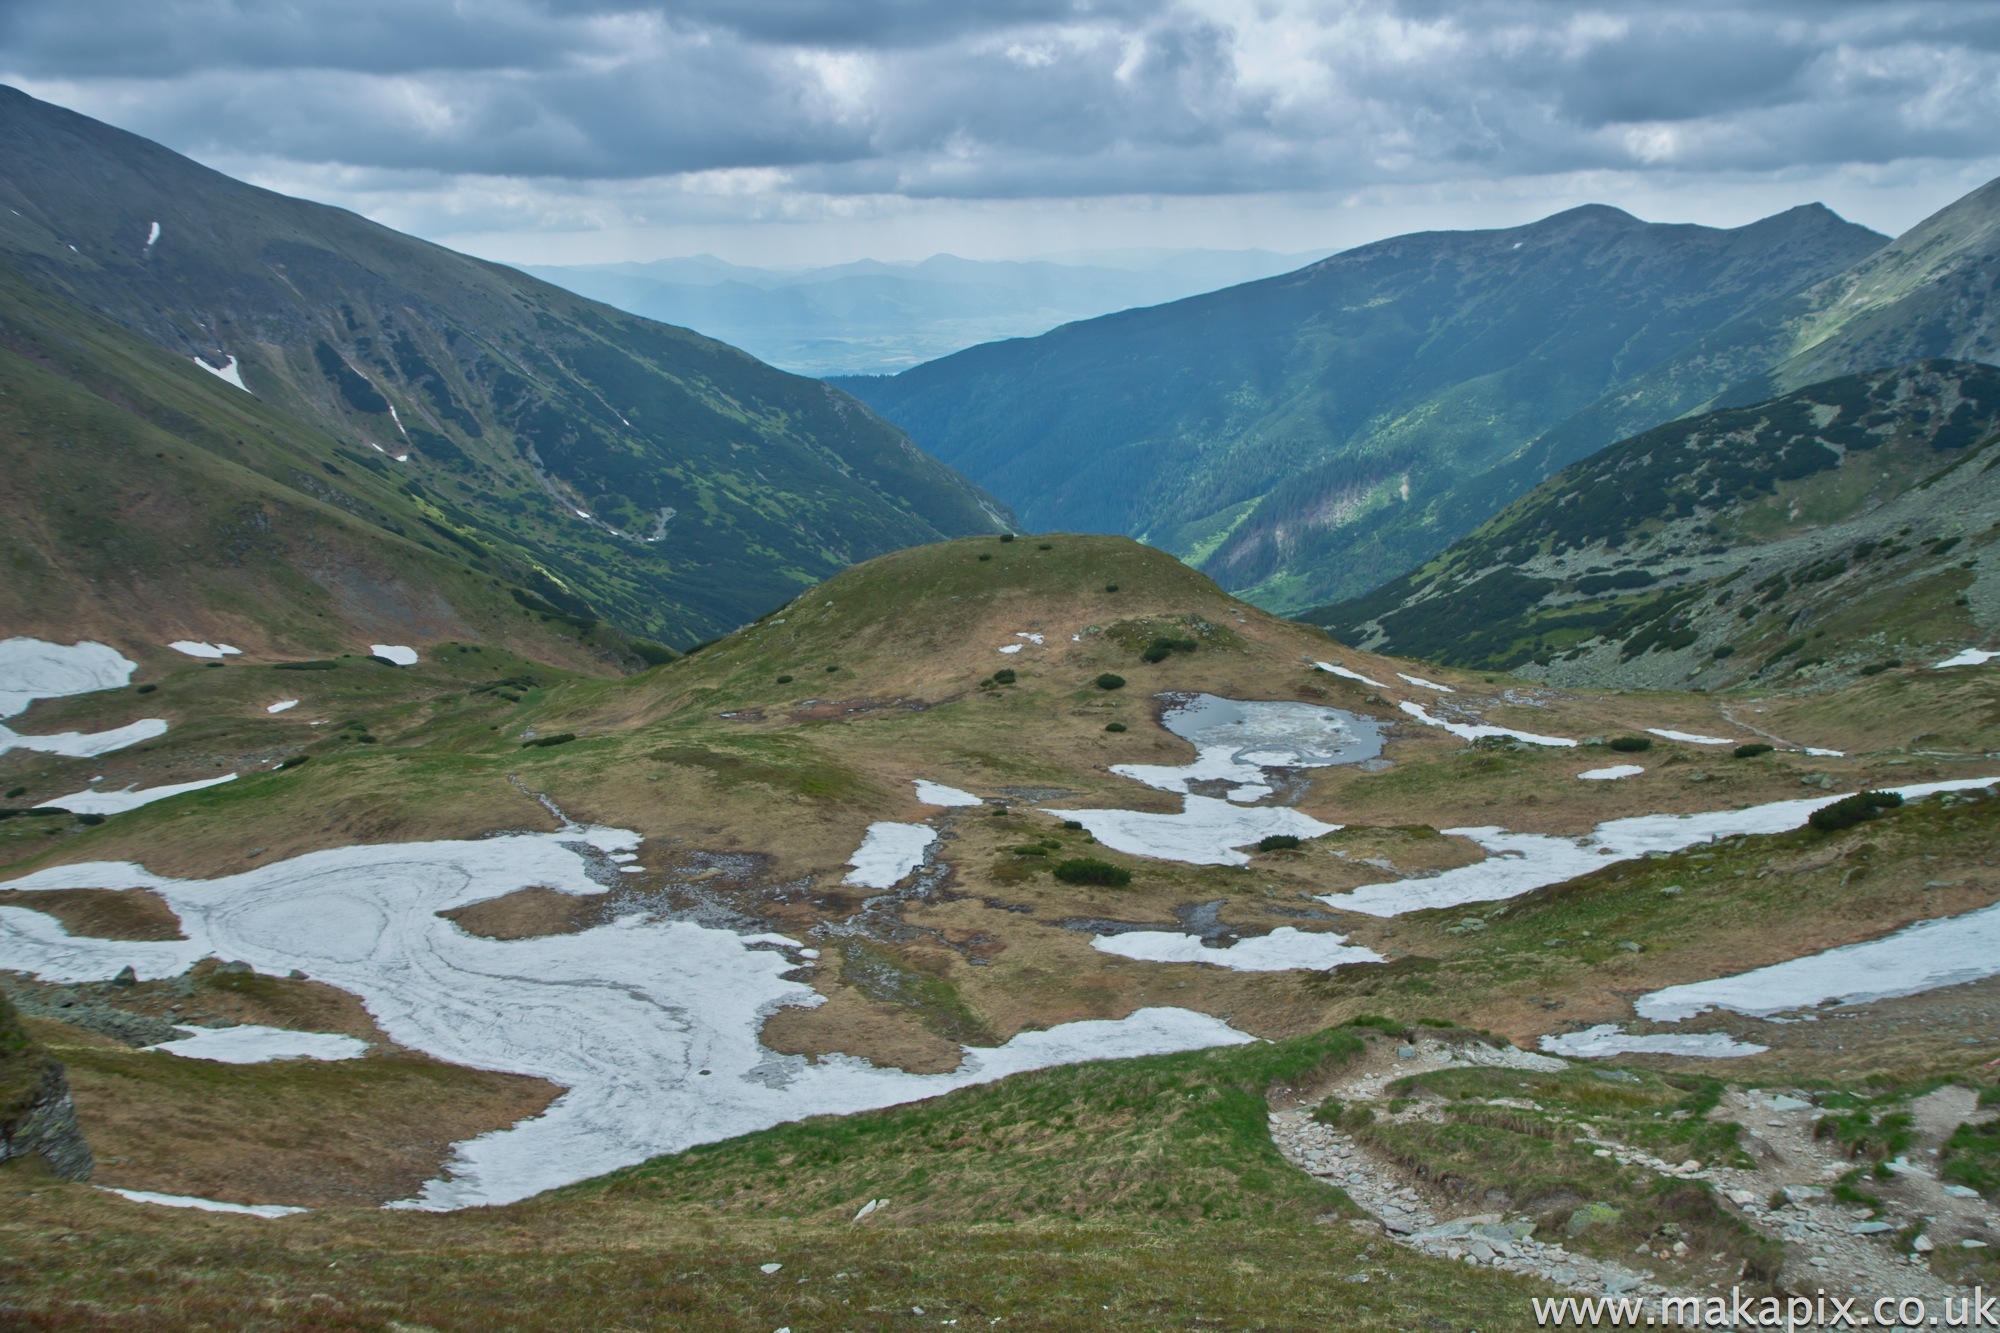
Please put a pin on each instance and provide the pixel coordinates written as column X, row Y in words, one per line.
column 1927, row 294
column 1297, row 437
column 1826, row 531
column 648, row 475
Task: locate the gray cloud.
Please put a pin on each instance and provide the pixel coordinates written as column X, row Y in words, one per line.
column 1030, row 98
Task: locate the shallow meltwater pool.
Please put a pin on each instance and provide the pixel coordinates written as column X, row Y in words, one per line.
column 1236, row 743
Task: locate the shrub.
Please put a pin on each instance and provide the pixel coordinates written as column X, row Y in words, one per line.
column 1159, row 649
column 1752, row 750
column 1277, row 842
column 12, row 792
column 1877, row 668
column 1848, row 811
column 1109, row 681
column 90, row 820
column 1045, row 547
column 784, row 680
column 1006, row 536
column 1111, row 587
column 1631, row 744
column 541, row 742
column 830, row 670
column 1114, row 726
column 1074, row 825
column 1090, row 870
column 1726, row 650
column 304, row 666
column 146, row 689
column 1031, row 849
column 986, row 555
column 295, row 761
column 1004, row 676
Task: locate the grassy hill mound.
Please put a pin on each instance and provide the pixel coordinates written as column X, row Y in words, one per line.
column 1836, row 529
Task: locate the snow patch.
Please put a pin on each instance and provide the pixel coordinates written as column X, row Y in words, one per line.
column 936, row 793
column 1427, row 684
column 1970, row 657
column 651, row 1026
column 394, row 652
column 228, row 373
column 84, row 744
column 1519, row 862
column 253, row 1044
column 118, row 802
column 1283, row 949
column 153, row 236
column 1206, row 833
column 1610, row 774
column 1011, row 647
column 1035, row 639
column 206, row 1205
column 1948, row 951
column 193, row 648
column 1690, row 737
column 888, row 853
column 1474, row 731
column 32, row 669
column 1609, row 1039
column 283, row 705
column 1350, row 675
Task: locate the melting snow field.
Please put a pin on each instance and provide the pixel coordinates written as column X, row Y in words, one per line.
column 1970, row 657
column 253, row 1044
column 1518, row 862
column 1924, row 957
column 282, row 705
column 206, row 1205
column 651, row 1026
column 936, row 793
column 196, row 649
column 888, row 853
column 1612, row 773
column 1608, row 1039
column 1427, row 684
column 1234, row 743
column 1689, row 737
column 90, row 802
column 394, row 652
column 1472, row 731
column 1283, row 949
column 31, row 669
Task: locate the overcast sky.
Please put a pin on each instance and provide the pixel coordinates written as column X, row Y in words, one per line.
column 807, row 131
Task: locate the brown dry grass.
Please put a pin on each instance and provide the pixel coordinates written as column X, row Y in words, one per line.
column 105, row 914
column 526, row 914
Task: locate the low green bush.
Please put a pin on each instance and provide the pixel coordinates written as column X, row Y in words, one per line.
column 1111, row 587
column 1848, row 811
column 1114, row 726
column 1073, row 825
column 1631, row 744
column 1278, row 842
column 1110, row 681
column 1752, row 750
column 1162, row 648
column 304, row 666
column 1006, row 536
column 1005, row 676
column 985, row 555
column 540, row 742
column 1090, row 870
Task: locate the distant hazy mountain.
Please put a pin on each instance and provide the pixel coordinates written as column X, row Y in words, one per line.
column 612, row 468
column 1306, row 437
column 871, row 318
column 1826, row 531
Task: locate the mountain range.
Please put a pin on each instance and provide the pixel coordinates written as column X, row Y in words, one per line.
column 322, row 374
column 873, row 318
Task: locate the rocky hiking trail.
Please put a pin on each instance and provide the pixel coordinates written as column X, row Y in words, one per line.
column 1831, row 1246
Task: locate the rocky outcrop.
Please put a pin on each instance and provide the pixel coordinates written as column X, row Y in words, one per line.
column 37, row 1114
column 47, row 1129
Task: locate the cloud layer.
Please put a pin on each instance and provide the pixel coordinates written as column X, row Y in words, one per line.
column 1024, row 99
